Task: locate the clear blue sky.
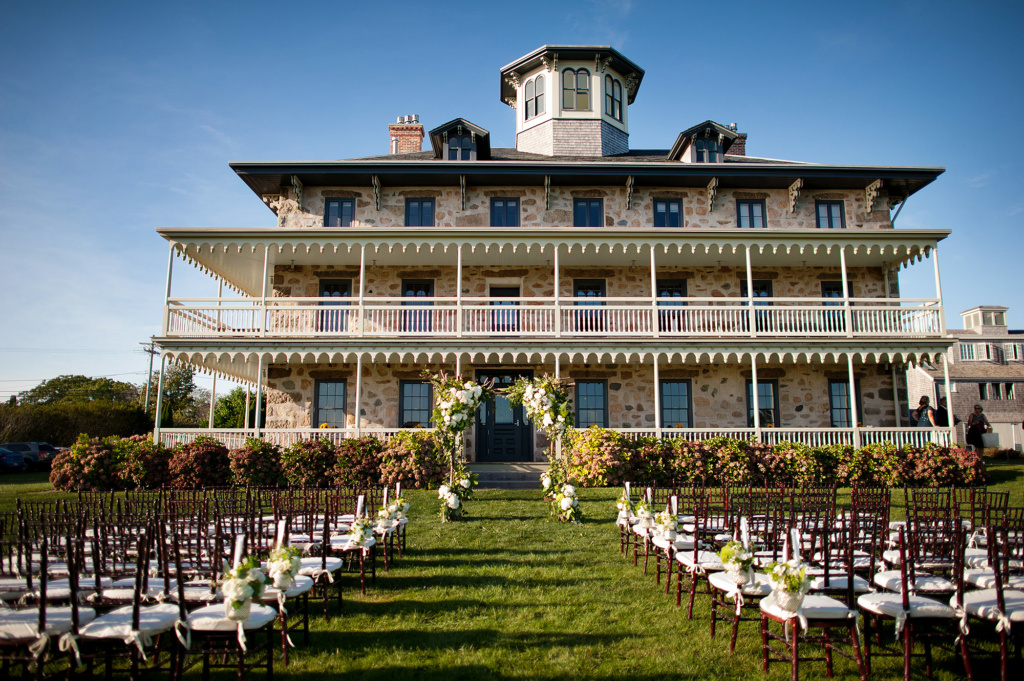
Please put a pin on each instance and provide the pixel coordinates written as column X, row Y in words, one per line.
column 120, row 117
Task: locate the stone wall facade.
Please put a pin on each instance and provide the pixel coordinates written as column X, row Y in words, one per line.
column 718, row 393
column 639, row 213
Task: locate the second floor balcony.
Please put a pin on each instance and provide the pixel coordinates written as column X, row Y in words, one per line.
column 552, row 317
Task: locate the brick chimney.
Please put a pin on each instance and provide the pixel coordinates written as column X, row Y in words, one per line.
column 739, row 145
column 406, row 135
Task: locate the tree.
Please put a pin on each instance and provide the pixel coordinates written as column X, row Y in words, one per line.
column 230, row 410
column 78, row 388
column 179, row 398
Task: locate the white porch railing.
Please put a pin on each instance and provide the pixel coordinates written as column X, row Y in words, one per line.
column 812, row 437
column 638, row 317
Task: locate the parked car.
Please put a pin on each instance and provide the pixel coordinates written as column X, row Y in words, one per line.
column 11, row 461
column 37, row 455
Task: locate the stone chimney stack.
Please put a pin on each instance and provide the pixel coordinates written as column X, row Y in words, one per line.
column 406, row 135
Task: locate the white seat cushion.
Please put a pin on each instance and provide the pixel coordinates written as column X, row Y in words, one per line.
column 708, row 560
column 211, row 618
column 153, row 619
column 301, row 585
column 22, row 625
column 200, row 593
column 892, row 581
column 975, row 558
column 340, row 543
column 814, row 607
column 892, row 556
column 891, row 605
column 838, row 582
column 985, row 578
column 311, row 567
column 124, row 590
column 982, row 604
column 723, row 582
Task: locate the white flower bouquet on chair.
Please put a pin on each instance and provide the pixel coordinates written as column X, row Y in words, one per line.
column 738, row 561
column 359, row 533
column 643, row 513
column 625, row 506
column 790, row 583
column 242, row 584
column 665, row 525
column 284, row 564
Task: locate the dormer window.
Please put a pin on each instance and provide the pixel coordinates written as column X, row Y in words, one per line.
column 613, row 98
column 534, row 96
column 706, row 151
column 576, row 89
column 461, row 147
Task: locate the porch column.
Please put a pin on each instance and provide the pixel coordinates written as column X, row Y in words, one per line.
column 750, row 311
column 753, row 392
column 896, row 398
column 167, row 290
column 159, row 397
column 847, row 313
column 213, row 400
column 359, row 394
column 938, row 290
column 657, row 398
column 853, row 401
column 655, row 325
column 949, row 400
column 558, row 367
column 558, row 299
column 362, row 289
column 245, row 422
column 259, row 395
column 458, row 365
column 458, row 292
column 263, row 306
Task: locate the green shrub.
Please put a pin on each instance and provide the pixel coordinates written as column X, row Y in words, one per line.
column 256, row 464
column 412, row 459
column 61, row 423
column 309, row 463
column 203, row 462
column 358, row 462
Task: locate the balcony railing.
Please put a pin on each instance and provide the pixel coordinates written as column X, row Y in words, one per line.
column 812, row 437
column 552, row 318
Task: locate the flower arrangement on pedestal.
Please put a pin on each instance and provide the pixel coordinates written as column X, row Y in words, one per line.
column 567, row 505
column 548, row 407
column 242, row 584
column 456, row 403
column 625, row 506
column 284, row 565
column 665, row 525
column 642, row 510
column 790, row 583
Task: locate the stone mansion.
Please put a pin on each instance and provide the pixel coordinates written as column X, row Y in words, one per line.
column 689, row 291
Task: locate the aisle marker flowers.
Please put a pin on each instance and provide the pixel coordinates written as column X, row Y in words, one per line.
column 567, row 505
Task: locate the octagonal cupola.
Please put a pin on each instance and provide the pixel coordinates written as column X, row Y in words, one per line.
column 571, row 100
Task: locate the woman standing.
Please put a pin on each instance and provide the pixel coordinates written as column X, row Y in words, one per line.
column 977, row 424
column 924, row 415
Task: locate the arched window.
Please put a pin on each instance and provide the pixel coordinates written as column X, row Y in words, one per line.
column 461, row 147
column 576, row 89
column 707, row 151
column 534, row 96
column 613, row 98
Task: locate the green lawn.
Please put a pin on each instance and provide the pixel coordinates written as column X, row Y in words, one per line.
column 510, row 594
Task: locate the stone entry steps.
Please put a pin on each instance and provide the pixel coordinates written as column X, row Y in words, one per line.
column 508, row 475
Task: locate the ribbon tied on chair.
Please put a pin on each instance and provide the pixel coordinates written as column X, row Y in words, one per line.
column 39, row 646
column 961, row 614
column 140, row 640
column 183, row 630
column 901, row 621
column 1003, row 623
column 68, row 642
column 241, row 637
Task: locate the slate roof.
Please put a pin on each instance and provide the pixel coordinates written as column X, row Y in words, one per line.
column 514, row 155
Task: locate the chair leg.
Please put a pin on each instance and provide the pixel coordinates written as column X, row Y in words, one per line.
column 826, row 634
column 764, row 643
column 795, row 650
column 735, row 630
column 714, row 610
column 907, row 648
column 669, row 560
column 861, row 666
column 693, row 594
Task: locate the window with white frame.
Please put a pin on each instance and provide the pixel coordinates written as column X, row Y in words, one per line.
column 534, row 96
column 966, row 351
column 996, row 392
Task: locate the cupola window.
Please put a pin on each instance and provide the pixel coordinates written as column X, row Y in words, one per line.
column 576, row 89
column 706, row 151
column 613, row 98
column 534, row 96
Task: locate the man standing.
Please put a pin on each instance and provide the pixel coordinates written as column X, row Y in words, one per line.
column 942, row 415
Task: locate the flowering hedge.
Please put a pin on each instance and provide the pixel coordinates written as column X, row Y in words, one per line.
column 146, row 464
column 256, row 464
column 414, row 460
column 204, row 462
column 89, row 465
column 599, row 457
column 309, row 463
column 358, row 462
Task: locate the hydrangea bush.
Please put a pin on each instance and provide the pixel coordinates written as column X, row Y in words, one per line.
column 256, row 464
column 309, row 463
column 204, row 462
column 358, row 462
column 412, row 459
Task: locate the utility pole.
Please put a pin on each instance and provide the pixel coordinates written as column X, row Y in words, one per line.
column 150, row 348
